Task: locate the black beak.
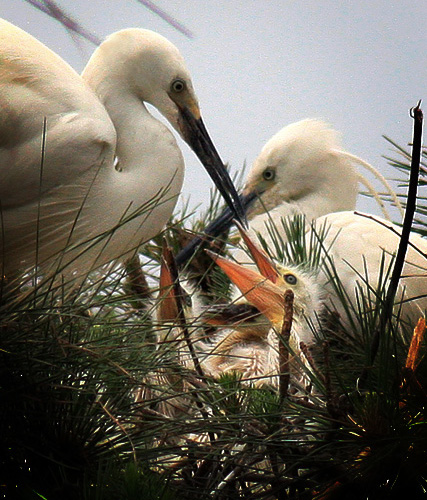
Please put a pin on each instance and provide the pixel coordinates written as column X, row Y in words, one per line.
column 217, row 227
column 197, row 137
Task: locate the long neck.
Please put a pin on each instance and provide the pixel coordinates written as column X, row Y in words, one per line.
column 144, row 185
column 143, row 142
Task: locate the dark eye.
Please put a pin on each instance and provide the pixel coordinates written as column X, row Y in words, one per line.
column 269, row 174
column 178, row 85
column 291, row 279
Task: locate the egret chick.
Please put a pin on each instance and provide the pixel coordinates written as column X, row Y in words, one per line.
column 250, row 350
column 85, row 179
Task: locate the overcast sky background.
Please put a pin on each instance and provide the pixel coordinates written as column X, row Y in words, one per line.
column 260, row 65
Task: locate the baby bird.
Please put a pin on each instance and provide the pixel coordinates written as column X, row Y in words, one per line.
column 250, row 348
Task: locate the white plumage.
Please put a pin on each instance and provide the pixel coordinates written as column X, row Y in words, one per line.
column 303, row 169
column 110, row 173
column 356, row 245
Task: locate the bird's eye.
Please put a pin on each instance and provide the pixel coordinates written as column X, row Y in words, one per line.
column 291, row 279
column 178, row 85
column 269, row 174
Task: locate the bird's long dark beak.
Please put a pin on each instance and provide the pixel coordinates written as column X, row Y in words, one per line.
column 195, row 134
column 216, row 228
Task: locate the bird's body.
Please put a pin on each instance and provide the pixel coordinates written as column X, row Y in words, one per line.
column 38, row 205
column 104, row 175
column 360, row 248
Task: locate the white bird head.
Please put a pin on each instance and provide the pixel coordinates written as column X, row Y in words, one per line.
column 265, row 290
column 151, row 68
column 302, row 161
column 253, row 352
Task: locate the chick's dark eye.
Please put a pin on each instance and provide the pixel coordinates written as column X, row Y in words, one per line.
column 291, row 279
column 269, row 174
column 178, row 85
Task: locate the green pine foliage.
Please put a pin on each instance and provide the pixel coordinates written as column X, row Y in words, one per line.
column 93, row 407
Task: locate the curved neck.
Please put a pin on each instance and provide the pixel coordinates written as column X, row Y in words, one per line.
column 148, row 173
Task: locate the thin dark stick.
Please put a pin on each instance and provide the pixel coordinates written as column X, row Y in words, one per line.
column 53, row 10
column 284, row 337
column 167, row 17
column 387, row 311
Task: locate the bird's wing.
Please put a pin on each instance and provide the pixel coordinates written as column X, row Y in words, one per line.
column 357, row 245
column 52, row 127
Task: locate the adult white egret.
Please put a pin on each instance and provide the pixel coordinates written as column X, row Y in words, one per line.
column 85, row 179
column 301, row 170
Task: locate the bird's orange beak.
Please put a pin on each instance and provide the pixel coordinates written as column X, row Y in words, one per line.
column 261, row 259
column 258, row 289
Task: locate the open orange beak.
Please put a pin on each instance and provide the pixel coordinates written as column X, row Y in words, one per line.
column 261, row 259
column 258, row 289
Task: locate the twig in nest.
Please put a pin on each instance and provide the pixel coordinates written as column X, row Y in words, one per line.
column 284, row 343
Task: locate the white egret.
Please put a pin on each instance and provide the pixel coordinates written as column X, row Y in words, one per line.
column 304, row 170
column 251, row 349
column 85, row 179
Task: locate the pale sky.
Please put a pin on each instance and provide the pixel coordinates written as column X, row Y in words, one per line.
column 259, row 65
